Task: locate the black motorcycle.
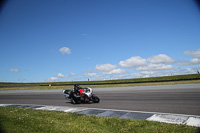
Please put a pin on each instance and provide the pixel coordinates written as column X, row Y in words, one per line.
column 81, row 95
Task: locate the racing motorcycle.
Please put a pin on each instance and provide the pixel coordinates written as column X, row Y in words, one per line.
column 80, row 95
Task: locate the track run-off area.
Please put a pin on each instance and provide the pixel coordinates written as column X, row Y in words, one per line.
column 178, row 99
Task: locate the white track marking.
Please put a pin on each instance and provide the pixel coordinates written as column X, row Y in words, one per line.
column 174, row 119
column 193, row 121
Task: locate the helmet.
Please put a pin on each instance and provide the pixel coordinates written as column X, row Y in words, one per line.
column 76, row 87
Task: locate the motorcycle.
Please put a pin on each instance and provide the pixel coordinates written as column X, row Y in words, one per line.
column 82, row 95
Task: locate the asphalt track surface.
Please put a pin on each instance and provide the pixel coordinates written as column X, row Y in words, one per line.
column 179, row 99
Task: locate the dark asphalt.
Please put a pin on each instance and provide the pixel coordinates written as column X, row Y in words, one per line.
column 177, row 100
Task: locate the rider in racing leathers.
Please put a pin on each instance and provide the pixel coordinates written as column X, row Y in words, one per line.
column 75, row 90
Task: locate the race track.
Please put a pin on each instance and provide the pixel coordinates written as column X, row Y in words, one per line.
column 179, row 99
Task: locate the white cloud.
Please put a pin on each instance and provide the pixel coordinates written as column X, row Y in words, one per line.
column 195, row 53
column 195, row 61
column 189, row 71
column 148, row 72
column 192, row 70
column 61, row 75
column 65, row 50
column 73, row 74
column 21, row 79
column 161, row 58
column 153, row 73
column 184, row 63
column 133, row 62
column 155, row 67
column 119, row 77
column 105, row 67
column 140, row 75
column 136, row 75
column 115, row 71
column 52, row 79
column 14, row 70
column 91, row 74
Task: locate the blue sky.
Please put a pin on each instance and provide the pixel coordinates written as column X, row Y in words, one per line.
column 77, row 40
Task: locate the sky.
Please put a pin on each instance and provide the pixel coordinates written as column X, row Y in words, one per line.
column 77, row 40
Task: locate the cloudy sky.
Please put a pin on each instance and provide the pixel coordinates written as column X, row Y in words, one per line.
column 77, row 40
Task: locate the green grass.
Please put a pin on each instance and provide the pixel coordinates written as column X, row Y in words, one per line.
column 151, row 79
column 166, row 80
column 101, row 86
column 22, row 120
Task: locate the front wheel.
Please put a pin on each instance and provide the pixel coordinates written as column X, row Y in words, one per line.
column 95, row 99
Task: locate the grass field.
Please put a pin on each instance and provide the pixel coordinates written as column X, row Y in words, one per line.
column 167, row 80
column 100, row 86
column 22, row 120
column 121, row 81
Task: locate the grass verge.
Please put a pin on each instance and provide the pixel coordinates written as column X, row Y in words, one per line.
column 166, row 80
column 101, row 86
column 25, row 120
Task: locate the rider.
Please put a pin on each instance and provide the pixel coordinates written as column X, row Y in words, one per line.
column 76, row 88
